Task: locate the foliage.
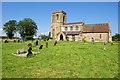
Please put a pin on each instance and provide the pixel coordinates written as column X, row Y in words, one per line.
column 84, row 39
column 116, row 37
column 44, row 37
column 27, row 27
column 66, row 60
column 10, row 28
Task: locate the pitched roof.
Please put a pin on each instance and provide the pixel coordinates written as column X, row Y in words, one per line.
column 73, row 23
column 96, row 27
column 71, row 32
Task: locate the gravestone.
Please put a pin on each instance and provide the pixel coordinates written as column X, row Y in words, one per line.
column 55, row 43
column 46, row 44
column 92, row 40
column 111, row 43
column 29, row 50
column 14, row 41
column 21, row 51
column 40, row 46
column 36, row 43
column 5, row 41
column 104, row 45
column 18, row 41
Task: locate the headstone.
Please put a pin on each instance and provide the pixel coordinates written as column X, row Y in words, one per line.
column 46, row 44
column 21, row 51
column 111, row 43
column 14, row 41
column 36, row 43
column 40, row 46
column 55, row 43
column 18, row 40
column 92, row 40
column 104, row 45
column 29, row 50
column 6, row 41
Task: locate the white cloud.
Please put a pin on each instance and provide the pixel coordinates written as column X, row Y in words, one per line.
column 1, row 29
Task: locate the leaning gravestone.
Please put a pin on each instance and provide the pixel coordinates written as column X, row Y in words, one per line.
column 36, row 43
column 29, row 50
column 40, row 46
column 55, row 43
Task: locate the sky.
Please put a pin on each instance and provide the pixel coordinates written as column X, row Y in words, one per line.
column 40, row 12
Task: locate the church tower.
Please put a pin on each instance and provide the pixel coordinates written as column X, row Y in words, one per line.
column 58, row 18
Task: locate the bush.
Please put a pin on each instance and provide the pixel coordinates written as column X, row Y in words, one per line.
column 28, row 38
column 84, row 40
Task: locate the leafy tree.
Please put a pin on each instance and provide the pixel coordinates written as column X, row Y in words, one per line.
column 44, row 37
column 10, row 28
column 116, row 37
column 27, row 28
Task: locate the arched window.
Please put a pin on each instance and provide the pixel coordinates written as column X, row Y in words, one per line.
column 71, row 28
column 63, row 18
column 76, row 28
column 66, row 28
column 57, row 16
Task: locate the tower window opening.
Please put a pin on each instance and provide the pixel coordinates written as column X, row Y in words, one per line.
column 57, row 16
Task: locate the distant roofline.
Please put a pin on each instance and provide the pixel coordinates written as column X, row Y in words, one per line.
column 73, row 23
column 96, row 23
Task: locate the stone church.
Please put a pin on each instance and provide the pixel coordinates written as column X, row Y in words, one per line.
column 77, row 31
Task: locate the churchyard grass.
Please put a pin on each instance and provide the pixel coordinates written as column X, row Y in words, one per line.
column 65, row 60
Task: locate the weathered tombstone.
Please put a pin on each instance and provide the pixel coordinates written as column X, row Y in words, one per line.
column 111, row 43
column 14, row 41
column 92, row 40
column 6, row 41
column 55, row 43
column 46, row 44
column 21, row 51
column 40, row 46
column 18, row 41
column 36, row 43
column 29, row 50
column 104, row 45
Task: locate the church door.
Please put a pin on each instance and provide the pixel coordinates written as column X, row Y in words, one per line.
column 61, row 37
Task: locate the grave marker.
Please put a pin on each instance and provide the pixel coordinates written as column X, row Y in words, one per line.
column 55, row 43
column 40, row 46
column 46, row 44
column 29, row 50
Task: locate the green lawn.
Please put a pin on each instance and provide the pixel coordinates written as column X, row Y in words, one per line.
column 65, row 60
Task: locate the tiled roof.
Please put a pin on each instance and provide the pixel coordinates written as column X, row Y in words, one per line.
column 73, row 23
column 96, row 27
column 71, row 32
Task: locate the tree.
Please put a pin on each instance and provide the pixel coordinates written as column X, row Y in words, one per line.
column 44, row 37
column 116, row 37
column 10, row 28
column 27, row 28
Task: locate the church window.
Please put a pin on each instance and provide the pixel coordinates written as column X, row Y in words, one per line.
column 100, row 36
column 66, row 28
column 76, row 28
column 71, row 28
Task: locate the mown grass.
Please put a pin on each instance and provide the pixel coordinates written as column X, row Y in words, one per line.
column 65, row 60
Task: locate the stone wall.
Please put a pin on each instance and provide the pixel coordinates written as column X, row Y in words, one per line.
column 96, row 36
